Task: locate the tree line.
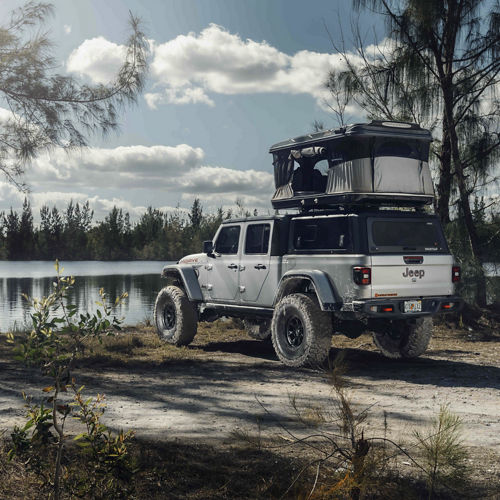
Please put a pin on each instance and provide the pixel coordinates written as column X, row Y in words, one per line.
column 72, row 234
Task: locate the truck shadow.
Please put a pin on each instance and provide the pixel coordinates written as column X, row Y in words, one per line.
column 369, row 364
column 423, row 370
column 262, row 349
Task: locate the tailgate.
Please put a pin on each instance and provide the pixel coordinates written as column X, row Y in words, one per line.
column 393, row 277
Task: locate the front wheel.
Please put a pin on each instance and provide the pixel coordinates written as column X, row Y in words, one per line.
column 175, row 317
column 301, row 332
column 403, row 338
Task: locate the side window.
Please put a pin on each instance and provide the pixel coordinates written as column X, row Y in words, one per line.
column 257, row 239
column 227, row 241
column 322, row 167
column 330, row 234
column 396, row 148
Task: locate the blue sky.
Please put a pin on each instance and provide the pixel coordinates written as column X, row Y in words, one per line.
column 228, row 78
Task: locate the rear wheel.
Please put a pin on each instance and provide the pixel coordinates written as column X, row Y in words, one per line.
column 175, row 317
column 301, row 332
column 403, row 338
column 258, row 330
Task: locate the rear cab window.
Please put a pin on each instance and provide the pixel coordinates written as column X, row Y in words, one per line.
column 397, row 235
column 320, row 234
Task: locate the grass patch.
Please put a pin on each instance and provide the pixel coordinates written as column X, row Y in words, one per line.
column 178, row 470
column 141, row 344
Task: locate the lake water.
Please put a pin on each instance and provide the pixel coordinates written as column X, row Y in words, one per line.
column 141, row 279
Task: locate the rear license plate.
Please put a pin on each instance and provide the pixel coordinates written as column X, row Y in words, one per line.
column 412, row 306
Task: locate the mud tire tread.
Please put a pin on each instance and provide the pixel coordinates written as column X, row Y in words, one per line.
column 317, row 329
column 414, row 339
column 186, row 324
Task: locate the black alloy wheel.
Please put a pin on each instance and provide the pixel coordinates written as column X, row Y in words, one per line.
column 294, row 332
column 169, row 317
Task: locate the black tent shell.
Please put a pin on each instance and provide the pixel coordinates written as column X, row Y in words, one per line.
column 377, row 162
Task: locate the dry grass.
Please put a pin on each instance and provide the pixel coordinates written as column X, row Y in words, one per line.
column 178, row 470
column 141, row 343
column 196, row 471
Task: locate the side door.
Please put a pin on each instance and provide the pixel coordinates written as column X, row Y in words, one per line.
column 223, row 270
column 255, row 260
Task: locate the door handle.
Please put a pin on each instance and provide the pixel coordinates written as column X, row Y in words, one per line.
column 260, row 266
column 232, row 266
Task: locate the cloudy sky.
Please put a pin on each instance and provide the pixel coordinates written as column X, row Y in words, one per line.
column 227, row 79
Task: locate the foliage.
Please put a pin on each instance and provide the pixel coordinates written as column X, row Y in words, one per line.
column 70, row 235
column 56, row 340
column 438, row 66
column 443, row 451
column 48, row 109
column 109, row 467
column 349, row 464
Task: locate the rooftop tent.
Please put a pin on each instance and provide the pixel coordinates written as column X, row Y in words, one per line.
column 379, row 161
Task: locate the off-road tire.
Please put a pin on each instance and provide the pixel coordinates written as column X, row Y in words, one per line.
column 404, row 338
column 299, row 315
column 258, row 330
column 175, row 317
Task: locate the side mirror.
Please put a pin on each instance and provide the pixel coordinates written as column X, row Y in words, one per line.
column 208, row 248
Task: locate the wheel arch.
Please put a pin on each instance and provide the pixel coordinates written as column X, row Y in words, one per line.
column 186, row 277
column 298, row 281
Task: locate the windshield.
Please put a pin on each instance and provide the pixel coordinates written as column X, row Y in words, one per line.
column 406, row 235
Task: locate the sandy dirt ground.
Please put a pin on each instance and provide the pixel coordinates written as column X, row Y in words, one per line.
column 219, row 386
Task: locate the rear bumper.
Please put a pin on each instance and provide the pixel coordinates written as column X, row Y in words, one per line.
column 394, row 308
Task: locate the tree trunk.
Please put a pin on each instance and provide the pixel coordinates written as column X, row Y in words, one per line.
column 464, row 200
column 445, row 176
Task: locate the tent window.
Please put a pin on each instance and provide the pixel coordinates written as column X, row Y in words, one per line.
column 396, row 148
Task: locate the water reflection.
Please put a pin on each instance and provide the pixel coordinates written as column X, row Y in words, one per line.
column 142, row 290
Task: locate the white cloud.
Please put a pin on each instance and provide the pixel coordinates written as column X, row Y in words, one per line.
column 9, row 195
column 225, row 180
column 5, row 116
column 138, row 171
column 189, row 66
column 121, row 167
column 173, row 168
column 178, row 96
column 212, row 201
column 97, row 58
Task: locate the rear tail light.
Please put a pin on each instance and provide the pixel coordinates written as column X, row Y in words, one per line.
column 455, row 274
column 447, row 306
column 362, row 275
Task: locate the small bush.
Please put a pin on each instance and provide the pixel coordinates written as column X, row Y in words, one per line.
column 53, row 345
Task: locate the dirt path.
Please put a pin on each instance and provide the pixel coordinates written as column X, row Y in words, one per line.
column 218, row 386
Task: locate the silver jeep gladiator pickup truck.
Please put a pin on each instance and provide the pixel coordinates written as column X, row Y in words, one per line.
column 372, row 261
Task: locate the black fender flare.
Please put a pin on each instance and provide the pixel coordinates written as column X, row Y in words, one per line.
column 328, row 297
column 189, row 278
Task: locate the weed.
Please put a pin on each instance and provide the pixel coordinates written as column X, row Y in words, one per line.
column 56, row 340
column 443, row 451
